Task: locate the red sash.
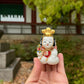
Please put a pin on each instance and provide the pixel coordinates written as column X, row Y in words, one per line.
column 49, row 53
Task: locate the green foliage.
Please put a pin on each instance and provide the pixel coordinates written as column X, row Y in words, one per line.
column 19, row 50
column 26, row 53
column 29, row 3
column 1, row 81
column 72, row 58
column 55, row 11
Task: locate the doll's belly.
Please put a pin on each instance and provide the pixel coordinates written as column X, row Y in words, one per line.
column 50, row 60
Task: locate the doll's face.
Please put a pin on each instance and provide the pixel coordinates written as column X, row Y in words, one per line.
column 47, row 42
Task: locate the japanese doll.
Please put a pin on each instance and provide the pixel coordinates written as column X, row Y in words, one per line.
column 47, row 49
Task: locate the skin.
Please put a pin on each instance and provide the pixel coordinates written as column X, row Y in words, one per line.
column 48, row 74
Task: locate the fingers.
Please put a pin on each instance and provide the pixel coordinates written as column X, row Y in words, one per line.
column 54, row 68
column 35, row 74
column 43, row 67
column 58, row 67
column 48, row 68
column 44, row 78
column 61, row 68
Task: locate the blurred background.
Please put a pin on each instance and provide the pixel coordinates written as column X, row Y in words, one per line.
column 21, row 23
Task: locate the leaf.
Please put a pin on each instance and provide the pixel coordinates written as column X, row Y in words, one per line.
column 55, row 11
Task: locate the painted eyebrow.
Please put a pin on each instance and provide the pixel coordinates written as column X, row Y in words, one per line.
column 50, row 39
column 44, row 40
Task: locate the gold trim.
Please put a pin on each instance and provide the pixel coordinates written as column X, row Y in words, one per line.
column 41, row 57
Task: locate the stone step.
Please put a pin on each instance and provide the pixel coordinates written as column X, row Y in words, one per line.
column 6, row 58
column 9, row 73
column 4, row 47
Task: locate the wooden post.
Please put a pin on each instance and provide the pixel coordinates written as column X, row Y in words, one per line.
column 78, row 25
column 70, row 17
column 33, row 21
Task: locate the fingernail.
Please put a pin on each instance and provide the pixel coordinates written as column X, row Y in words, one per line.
column 60, row 56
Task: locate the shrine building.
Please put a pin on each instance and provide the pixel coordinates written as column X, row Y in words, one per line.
column 17, row 18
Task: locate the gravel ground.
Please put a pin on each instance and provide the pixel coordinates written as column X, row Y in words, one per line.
column 22, row 73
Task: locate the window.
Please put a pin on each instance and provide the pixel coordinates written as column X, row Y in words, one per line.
column 12, row 12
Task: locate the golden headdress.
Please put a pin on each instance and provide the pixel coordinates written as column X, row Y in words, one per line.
column 48, row 31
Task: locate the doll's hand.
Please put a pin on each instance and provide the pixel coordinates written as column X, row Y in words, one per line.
column 48, row 74
column 39, row 54
column 54, row 53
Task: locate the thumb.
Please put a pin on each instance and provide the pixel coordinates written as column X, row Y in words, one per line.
column 34, row 76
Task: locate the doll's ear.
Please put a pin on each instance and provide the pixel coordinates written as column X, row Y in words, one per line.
column 41, row 42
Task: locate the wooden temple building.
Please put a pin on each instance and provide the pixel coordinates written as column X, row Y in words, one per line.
column 17, row 18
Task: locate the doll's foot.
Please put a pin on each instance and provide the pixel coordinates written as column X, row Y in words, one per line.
column 43, row 59
column 53, row 61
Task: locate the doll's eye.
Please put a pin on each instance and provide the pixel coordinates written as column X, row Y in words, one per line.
column 44, row 41
column 49, row 41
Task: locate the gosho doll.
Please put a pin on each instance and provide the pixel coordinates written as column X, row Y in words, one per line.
column 47, row 49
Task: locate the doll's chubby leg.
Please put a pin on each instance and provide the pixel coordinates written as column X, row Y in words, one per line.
column 42, row 59
column 53, row 60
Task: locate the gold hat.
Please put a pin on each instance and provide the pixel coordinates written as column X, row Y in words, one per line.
column 48, row 31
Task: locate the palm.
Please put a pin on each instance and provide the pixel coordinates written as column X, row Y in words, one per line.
column 57, row 78
column 52, row 77
column 48, row 74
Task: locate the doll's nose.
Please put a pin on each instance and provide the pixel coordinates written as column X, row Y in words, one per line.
column 47, row 44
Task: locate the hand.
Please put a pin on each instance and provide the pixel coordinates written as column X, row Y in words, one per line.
column 48, row 74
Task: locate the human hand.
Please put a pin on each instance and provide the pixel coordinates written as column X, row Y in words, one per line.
column 48, row 74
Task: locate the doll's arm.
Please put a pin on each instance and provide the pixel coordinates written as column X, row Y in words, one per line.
column 54, row 53
column 39, row 54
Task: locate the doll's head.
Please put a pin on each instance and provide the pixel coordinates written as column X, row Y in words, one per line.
column 47, row 42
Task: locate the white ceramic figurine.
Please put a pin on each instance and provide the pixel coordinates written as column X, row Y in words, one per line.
column 47, row 49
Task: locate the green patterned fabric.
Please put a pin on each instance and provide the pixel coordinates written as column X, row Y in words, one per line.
column 11, row 9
